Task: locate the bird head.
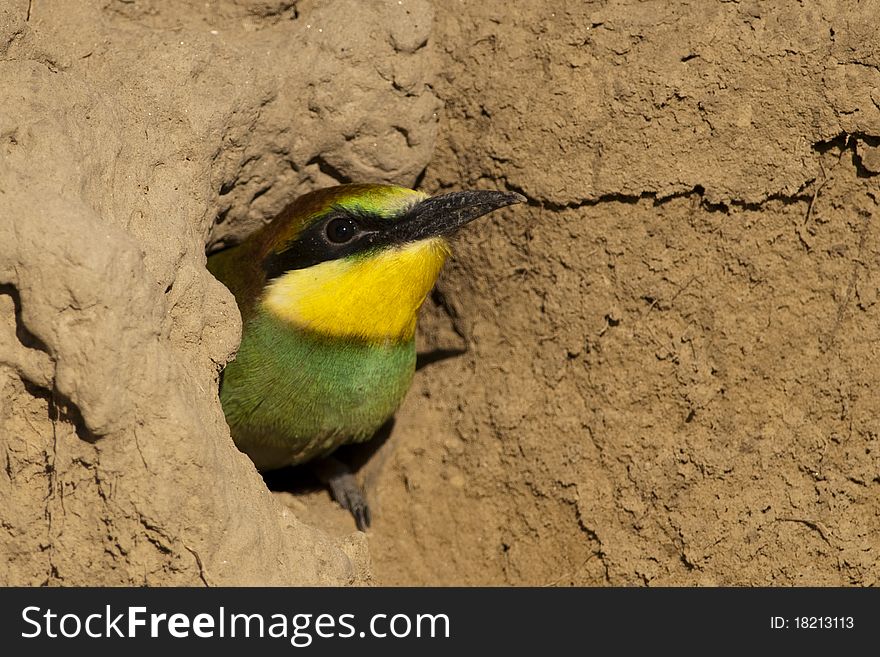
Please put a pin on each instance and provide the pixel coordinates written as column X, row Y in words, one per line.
column 357, row 261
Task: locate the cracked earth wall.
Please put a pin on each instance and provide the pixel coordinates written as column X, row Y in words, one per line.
column 672, row 352
column 669, row 353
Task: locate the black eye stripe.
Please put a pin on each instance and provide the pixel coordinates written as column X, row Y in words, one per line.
column 315, row 244
column 365, row 220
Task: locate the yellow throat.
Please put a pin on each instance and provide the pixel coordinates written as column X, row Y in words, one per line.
column 374, row 297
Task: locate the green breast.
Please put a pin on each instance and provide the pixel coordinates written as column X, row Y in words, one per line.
column 290, row 396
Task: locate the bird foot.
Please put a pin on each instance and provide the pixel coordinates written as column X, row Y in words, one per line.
column 344, row 488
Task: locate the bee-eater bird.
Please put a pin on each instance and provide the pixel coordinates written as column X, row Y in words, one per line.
column 329, row 293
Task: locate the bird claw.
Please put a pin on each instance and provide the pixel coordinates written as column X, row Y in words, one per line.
column 350, row 496
column 345, row 490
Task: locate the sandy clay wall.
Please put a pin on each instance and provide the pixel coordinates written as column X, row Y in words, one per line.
column 666, row 362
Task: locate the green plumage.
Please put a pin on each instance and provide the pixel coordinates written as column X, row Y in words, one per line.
column 290, row 397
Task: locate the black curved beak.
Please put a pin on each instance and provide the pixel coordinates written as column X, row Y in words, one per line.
column 446, row 213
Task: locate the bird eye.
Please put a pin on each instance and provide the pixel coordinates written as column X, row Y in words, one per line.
column 341, row 230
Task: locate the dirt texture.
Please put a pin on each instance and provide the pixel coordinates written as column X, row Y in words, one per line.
column 132, row 134
column 661, row 367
